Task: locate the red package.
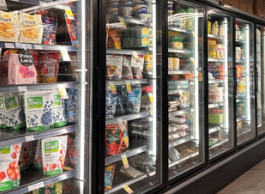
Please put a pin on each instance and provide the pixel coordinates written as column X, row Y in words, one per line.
column 114, row 139
column 37, row 64
column 24, row 158
column 72, row 151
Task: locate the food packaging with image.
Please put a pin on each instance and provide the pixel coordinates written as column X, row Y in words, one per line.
column 126, row 68
column 2, row 112
column 72, row 149
column 24, row 159
column 109, row 175
column 55, row 188
column 71, row 106
column 9, row 26
column 114, row 67
column 37, row 162
column 133, row 102
column 58, row 110
column 121, row 100
column 9, row 168
column 137, row 65
column 114, row 136
column 73, row 26
column 111, row 102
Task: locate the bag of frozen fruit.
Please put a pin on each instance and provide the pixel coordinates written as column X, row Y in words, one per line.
column 37, row 162
column 58, row 110
column 24, row 158
column 109, row 174
column 9, row 26
column 53, row 154
column 9, row 168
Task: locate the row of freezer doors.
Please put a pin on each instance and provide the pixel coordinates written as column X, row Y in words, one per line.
column 219, row 85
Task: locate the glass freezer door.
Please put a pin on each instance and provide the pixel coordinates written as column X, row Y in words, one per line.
column 244, row 63
column 185, row 88
column 220, row 86
column 260, row 57
column 133, row 97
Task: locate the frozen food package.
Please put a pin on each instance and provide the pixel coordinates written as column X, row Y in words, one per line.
column 72, row 26
column 49, row 23
column 114, row 39
column 39, row 108
column 2, row 112
column 125, row 143
column 133, row 103
column 178, row 120
column 37, row 162
column 21, row 69
column 71, row 106
column 126, row 68
column 137, row 65
column 114, row 139
column 114, row 67
column 121, row 100
column 72, row 149
column 173, row 154
column 131, row 172
column 9, row 26
column 55, row 188
column 143, row 161
column 109, row 175
column 24, row 159
column 53, row 155
column 215, row 28
column 37, row 64
column 33, row 147
column 111, row 101
column 74, row 65
column 58, row 110
column 50, row 66
column 31, row 28
column 9, row 168
column 14, row 114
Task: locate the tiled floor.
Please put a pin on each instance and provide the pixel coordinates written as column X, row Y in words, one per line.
column 251, row 182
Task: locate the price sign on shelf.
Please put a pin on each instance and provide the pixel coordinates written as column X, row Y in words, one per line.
column 69, row 13
column 125, row 161
column 22, row 88
column 127, row 189
column 35, row 186
column 62, row 91
column 29, row 138
column 112, row 88
column 9, row 45
column 128, row 86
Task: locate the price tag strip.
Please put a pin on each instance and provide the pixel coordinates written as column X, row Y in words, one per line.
column 30, row 138
column 128, row 86
column 69, row 13
column 9, row 45
column 38, row 46
column 62, row 91
column 127, row 189
column 112, row 88
column 35, row 186
column 65, row 55
column 125, row 161
column 22, row 88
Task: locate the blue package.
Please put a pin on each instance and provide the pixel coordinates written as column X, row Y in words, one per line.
column 71, row 106
column 111, row 101
column 121, row 100
column 133, row 103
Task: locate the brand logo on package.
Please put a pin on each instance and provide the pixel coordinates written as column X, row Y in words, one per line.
column 25, row 58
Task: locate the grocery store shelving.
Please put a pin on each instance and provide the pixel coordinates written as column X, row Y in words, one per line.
column 37, row 86
column 130, row 81
column 214, row 129
column 183, row 159
column 240, row 41
column 127, row 51
column 8, row 137
column 179, row 112
column 244, row 132
column 218, row 144
column 177, row 91
column 178, row 72
column 129, row 153
column 130, row 20
column 216, row 37
column 240, row 119
column 141, row 133
column 215, row 60
column 128, row 183
column 18, row 45
column 34, row 179
column 180, row 30
column 214, row 105
column 180, row 141
column 213, row 81
column 127, row 117
column 181, row 51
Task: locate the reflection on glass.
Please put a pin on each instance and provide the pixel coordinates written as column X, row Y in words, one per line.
column 185, row 90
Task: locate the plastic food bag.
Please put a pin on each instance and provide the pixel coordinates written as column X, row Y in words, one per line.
column 131, row 172
column 73, row 26
column 2, row 112
column 37, row 64
column 71, row 106
column 55, row 188
column 50, row 66
column 114, row 67
column 37, row 163
column 9, row 168
column 121, row 100
column 14, row 114
column 24, row 158
column 58, row 110
column 133, row 102
column 38, row 109
column 109, row 174
column 33, row 147
column 114, row 139
column 72, row 150
column 126, row 68
column 9, row 26
column 137, row 65
column 111, row 101
column 53, row 154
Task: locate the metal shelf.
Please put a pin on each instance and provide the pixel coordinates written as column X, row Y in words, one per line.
column 183, row 159
column 215, row 60
column 215, row 37
column 240, row 119
column 218, row 144
column 179, row 112
column 213, row 81
column 214, row 105
column 38, row 86
column 19, row 45
column 239, row 100
column 9, row 137
column 179, row 141
column 128, row 183
column 244, row 132
column 177, row 91
column 214, row 129
column 128, row 19
column 34, row 179
column 180, row 30
column 129, row 153
column 128, row 117
column 178, row 72
column 181, row 51
column 131, row 81
column 240, row 41
column 240, row 61
column 127, row 51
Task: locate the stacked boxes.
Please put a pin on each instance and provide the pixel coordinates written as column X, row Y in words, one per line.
column 138, row 37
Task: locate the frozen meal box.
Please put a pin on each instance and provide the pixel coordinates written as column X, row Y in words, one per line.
column 216, row 118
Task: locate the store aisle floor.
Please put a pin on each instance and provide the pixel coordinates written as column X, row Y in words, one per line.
column 251, row 182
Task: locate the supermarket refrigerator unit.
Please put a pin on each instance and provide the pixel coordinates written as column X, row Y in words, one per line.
column 46, row 63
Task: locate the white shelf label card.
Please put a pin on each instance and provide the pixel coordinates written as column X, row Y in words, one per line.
column 135, row 55
column 62, row 91
column 35, row 186
column 127, row 189
column 125, row 161
column 22, row 88
column 69, row 13
column 128, row 86
column 112, row 88
column 38, row 46
column 121, row 125
column 27, row 46
column 9, row 45
column 19, row 45
column 122, row 21
column 30, row 138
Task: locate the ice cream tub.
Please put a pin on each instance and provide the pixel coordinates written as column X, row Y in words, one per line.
column 126, row 11
column 140, row 10
column 138, row 2
column 127, row 4
column 170, row 5
column 113, row 11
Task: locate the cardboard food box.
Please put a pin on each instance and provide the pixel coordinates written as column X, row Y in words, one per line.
column 259, row 8
column 246, row 5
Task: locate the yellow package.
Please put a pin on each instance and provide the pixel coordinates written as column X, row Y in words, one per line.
column 9, row 26
column 212, row 54
column 177, row 45
column 148, row 61
column 114, row 39
column 170, row 63
column 211, row 42
column 176, row 62
column 209, row 27
column 31, row 28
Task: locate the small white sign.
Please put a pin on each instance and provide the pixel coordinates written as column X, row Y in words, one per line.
column 9, row 45
column 30, row 138
column 22, row 88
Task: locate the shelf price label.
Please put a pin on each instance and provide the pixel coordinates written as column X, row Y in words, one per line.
column 19, row 45
column 62, row 91
column 112, row 88
column 125, row 161
column 65, row 55
column 135, row 55
column 121, row 125
column 9, row 45
column 38, row 47
column 35, row 186
column 22, row 88
column 128, row 86
column 123, row 24
column 69, row 13
column 200, row 76
column 30, row 138
column 127, row 189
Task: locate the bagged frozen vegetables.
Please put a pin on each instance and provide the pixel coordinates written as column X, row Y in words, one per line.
column 55, row 188
column 133, row 102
